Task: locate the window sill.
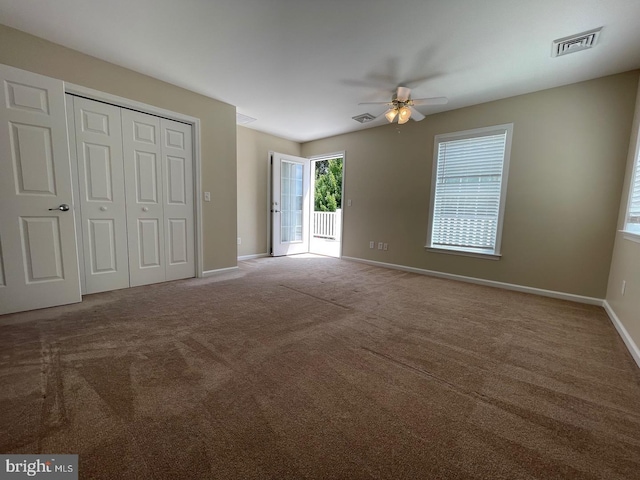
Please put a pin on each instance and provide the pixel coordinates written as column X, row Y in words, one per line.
column 485, row 256
column 633, row 236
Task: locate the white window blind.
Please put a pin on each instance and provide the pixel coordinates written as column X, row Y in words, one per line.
column 468, row 189
column 633, row 217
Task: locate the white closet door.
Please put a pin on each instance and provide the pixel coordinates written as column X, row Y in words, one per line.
column 102, row 196
column 144, row 193
column 177, row 173
column 38, row 261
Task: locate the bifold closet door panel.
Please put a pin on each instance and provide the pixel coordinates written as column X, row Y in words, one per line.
column 145, row 197
column 102, row 195
column 177, row 172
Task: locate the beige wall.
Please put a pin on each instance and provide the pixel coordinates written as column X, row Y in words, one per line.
column 625, row 265
column 567, row 168
column 218, row 127
column 253, row 149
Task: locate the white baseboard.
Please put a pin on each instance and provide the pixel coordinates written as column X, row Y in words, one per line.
column 251, row 257
column 209, row 273
column 628, row 341
column 490, row 283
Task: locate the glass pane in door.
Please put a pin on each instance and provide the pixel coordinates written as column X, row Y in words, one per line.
column 291, row 202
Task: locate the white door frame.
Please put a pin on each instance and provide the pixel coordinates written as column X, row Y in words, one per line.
column 99, row 96
column 269, row 207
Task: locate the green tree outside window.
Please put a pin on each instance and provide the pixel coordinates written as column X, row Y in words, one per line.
column 328, row 191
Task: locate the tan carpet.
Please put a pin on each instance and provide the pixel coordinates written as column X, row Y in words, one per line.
column 322, row 368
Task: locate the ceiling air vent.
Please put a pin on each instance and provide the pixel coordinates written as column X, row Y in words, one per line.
column 364, row 118
column 244, row 119
column 575, row 43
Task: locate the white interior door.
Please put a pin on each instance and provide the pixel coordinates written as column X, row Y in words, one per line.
column 38, row 258
column 177, row 175
column 144, row 194
column 290, row 204
column 102, row 196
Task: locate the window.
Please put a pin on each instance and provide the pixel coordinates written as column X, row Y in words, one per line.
column 291, row 202
column 469, row 186
column 632, row 221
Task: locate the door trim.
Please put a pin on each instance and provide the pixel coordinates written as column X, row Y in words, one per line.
column 99, row 96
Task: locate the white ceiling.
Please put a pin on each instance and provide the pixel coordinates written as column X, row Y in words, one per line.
column 302, row 66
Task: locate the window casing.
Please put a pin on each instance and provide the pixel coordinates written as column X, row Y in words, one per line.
column 632, row 219
column 469, row 185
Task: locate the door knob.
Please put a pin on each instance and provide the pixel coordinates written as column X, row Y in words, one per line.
column 145, row 209
column 63, row 208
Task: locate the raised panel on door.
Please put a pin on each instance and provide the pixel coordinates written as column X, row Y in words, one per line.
column 149, row 243
column 41, row 249
column 102, row 246
column 143, row 182
column 32, row 160
column 177, row 168
column 178, row 241
column 98, row 142
column 38, row 258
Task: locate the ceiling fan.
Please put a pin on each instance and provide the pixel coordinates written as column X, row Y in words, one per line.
column 401, row 106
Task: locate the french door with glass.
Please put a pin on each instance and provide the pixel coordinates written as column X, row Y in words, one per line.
column 290, row 200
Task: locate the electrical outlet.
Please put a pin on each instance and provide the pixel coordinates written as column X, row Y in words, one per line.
column 379, row 245
column 372, row 245
column 385, row 246
column 207, row 196
column 239, row 240
column 349, row 204
column 624, row 286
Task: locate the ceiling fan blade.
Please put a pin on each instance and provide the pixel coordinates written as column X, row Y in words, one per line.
column 416, row 115
column 403, row 94
column 430, row 101
column 376, row 103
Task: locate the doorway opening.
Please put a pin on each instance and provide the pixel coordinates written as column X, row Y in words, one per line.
column 327, row 180
column 305, row 204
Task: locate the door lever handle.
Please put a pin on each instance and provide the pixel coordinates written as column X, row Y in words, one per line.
column 63, row 208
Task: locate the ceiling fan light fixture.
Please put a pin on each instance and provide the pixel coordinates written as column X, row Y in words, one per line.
column 391, row 114
column 404, row 115
column 402, row 106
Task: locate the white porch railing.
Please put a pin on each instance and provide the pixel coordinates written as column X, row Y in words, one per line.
column 327, row 224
